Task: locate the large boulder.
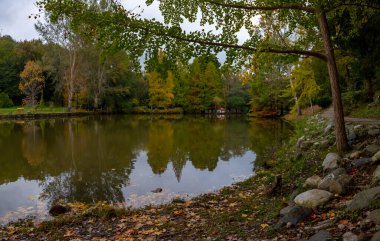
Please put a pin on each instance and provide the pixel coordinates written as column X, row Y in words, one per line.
column 364, row 199
column 313, row 198
column 331, row 161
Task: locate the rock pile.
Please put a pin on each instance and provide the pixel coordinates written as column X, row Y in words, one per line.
column 350, row 184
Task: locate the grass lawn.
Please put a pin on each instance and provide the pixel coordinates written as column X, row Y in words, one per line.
column 364, row 112
column 36, row 110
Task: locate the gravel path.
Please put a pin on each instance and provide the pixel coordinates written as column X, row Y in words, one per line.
column 329, row 113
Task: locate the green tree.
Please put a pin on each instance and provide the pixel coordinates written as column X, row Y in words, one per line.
column 32, row 82
column 10, row 68
column 236, row 93
column 5, row 101
column 268, row 76
column 182, row 85
column 303, row 86
column 205, row 85
column 211, row 86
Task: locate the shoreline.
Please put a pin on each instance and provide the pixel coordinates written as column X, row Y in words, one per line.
column 24, row 116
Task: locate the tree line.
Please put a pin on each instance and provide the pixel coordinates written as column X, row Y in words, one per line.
column 83, row 76
column 43, row 73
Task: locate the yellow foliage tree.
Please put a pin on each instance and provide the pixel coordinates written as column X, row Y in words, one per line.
column 32, row 82
column 160, row 90
column 302, row 84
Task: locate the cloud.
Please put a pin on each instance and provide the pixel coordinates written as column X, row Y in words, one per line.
column 14, row 19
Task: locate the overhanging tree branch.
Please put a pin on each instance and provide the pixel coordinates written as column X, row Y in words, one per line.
column 264, row 50
column 232, row 46
column 289, row 6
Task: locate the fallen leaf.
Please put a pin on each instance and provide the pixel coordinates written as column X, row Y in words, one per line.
column 264, row 225
column 233, row 205
column 344, row 222
column 331, row 215
column 68, row 233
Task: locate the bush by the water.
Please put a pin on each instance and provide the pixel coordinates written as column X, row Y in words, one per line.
column 5, row 101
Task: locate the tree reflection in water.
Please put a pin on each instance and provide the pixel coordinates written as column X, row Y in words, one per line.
column 91, row 159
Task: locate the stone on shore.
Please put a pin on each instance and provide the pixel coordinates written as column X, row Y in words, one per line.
column 356, row 154
column 374, row 216
column 376, row 173
column 364, row 199
column 322, row 235
column 313, row 181
column 361, row 162
column 331, row 161
column 372, row 149
column 376, row 236
column 376, row 157
column 313, row 198
column 350, row 237
column 293, row 215
column 336, row 181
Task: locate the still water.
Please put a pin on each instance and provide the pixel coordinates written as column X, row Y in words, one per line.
column 121, row 159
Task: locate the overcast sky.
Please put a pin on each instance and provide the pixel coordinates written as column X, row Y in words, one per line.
column 15, row 21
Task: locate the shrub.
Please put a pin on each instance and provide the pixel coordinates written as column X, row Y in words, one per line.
column 5, row 101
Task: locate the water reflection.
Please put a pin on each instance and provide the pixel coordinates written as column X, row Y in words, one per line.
column 112, row 158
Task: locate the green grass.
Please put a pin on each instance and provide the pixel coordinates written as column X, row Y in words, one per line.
column 29, row 110
column 364, row 112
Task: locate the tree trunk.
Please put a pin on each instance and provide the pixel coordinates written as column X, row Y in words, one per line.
column 340, row 129
column 70, row 89
column 33, row 96
column 369, row 89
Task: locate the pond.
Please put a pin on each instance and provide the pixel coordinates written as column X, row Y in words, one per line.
column 121, row 159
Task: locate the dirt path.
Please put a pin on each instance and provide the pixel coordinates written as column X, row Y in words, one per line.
column 329, row 113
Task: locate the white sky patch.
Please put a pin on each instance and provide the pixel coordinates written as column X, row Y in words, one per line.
column 14, row 19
